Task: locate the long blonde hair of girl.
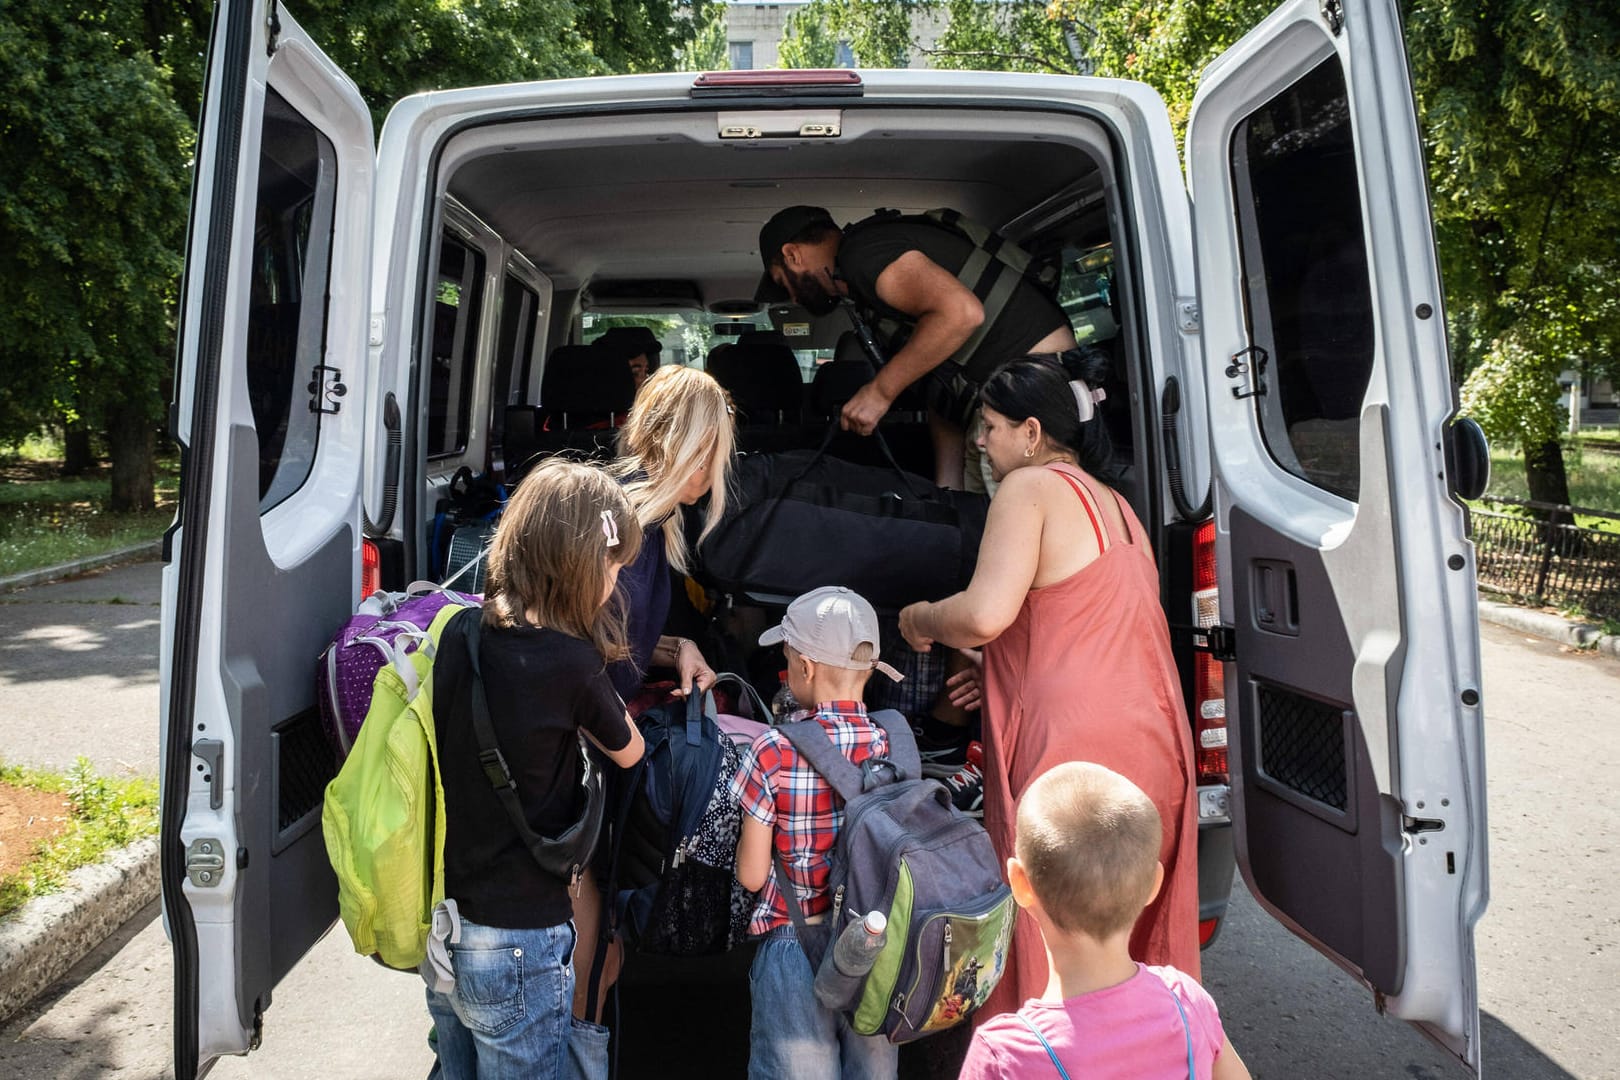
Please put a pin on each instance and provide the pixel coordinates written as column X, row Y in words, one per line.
column 548, row 562
column 681, row 421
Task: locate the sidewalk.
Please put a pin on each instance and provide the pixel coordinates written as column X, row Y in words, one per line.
column 1552, row 627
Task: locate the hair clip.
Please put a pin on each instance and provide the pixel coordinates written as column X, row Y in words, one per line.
column 610, row 528
column 1086, row 398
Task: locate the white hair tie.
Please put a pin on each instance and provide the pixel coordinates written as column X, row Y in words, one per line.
column 1086, row 398
column 610, row 528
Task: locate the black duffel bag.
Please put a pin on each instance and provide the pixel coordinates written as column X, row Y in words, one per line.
column 800, row 519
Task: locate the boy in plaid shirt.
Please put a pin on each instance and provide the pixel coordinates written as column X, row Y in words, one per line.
column 790, row 813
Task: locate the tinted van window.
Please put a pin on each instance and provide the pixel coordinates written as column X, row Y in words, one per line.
column 514, row 346
column 286, row 335
column 457, row 297
column 1305, row 276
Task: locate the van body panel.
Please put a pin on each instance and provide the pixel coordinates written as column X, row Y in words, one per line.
column 266, row 550
column 1346, row 572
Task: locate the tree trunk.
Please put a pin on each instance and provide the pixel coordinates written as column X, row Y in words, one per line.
column 134, row 467
column 77, row 457
column 1544, row 472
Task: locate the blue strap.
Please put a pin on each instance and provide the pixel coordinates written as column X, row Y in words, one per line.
column 1056, row 1064
column 1186, row 1031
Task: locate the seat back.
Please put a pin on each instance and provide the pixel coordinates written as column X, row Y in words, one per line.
column 763, row 381
column 583, row 387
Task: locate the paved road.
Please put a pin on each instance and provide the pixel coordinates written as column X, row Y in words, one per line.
column 1549, row 948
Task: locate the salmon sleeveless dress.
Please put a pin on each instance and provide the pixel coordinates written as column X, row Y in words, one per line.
column 1085, row 673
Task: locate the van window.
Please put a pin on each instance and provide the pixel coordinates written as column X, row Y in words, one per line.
column 1305, row 277
column 514, row 349
column 457, row 297
column 286, row 337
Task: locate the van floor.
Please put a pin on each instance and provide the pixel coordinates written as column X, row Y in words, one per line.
column 688, row 1017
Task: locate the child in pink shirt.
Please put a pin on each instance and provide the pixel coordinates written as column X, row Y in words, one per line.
column 1086, row 864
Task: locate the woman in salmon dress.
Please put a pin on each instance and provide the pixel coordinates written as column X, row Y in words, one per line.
column 1077, row 662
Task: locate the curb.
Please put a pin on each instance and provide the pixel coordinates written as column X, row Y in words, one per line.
column 133, row 553
column 51, row 933
column 1550, row 626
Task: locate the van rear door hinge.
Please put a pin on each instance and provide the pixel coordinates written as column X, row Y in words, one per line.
column 1249, row 366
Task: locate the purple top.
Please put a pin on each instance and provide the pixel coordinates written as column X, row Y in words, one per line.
column 644, row 590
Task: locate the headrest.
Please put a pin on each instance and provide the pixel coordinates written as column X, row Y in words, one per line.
column 762, row 379
column 837, row 381
column 586, row 379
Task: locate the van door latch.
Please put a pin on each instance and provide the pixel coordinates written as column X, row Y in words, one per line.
column 326, row 389
column 1333, row 15
column 1249, row 365
column 205, row 863
column 1219, row 641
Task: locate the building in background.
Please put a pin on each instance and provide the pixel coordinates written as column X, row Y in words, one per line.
column 754, row 32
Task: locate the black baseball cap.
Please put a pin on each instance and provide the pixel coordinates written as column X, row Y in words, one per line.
column 783, row 226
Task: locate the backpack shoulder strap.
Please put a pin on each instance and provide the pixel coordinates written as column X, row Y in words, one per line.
column 902, row 743
column 816, row 747
column 490, row 758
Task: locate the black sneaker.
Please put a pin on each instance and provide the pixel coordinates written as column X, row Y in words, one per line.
column 940, row 759
column 966, row 785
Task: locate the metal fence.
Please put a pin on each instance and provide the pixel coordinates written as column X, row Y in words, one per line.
column 1534, row 551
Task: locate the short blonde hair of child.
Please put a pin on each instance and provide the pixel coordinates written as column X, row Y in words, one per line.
column 681, row 420
column 550, row 554
column 1088, row 840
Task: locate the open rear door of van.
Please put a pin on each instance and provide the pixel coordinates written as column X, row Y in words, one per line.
column 264, row 558
column 1346, row 576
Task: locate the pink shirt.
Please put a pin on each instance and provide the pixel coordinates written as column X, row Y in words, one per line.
column 1127, row 1032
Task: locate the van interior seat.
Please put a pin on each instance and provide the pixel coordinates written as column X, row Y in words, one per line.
column 585, row 386
column 906, row 431
column 763, row 380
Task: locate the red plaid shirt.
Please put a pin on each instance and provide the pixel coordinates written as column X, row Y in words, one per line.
column 776, row 787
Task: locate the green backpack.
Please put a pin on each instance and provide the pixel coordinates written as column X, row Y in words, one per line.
column 384, row 813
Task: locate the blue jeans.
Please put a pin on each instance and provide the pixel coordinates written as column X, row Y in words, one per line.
column 511, row 1012
column 792, row 1036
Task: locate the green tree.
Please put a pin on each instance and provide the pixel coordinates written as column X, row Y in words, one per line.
column 92, row 214
column 1521, row 111
column 806, row 41
column 1010, row 36
column 706, row 50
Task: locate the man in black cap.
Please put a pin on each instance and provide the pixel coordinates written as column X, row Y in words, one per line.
column 902, row 273
column 637, row 346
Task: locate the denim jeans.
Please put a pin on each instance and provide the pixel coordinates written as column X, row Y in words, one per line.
column 792, row 1036
column 510, row 1014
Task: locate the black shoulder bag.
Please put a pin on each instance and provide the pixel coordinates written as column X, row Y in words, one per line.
column 563, row 856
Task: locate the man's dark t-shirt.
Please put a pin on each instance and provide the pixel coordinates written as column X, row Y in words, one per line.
column 541, row 685
column 868, row 249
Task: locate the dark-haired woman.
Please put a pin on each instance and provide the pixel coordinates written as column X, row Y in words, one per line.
column 1077, row 663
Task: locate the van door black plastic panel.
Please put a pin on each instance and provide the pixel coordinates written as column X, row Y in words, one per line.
column 1323, row 844
column 275, row 623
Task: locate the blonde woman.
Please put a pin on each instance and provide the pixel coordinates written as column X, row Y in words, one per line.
column 675, row 447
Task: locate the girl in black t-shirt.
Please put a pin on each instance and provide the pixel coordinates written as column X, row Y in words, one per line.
column 548, row 635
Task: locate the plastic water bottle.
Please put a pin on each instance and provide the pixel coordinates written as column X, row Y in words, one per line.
column 852, row 956
column 783, row 704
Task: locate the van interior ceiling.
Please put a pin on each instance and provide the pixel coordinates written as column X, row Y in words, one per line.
column 666, row 199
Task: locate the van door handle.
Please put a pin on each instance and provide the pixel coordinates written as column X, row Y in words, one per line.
column 212, row 752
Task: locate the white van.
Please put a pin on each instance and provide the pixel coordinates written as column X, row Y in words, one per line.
column 360, row 322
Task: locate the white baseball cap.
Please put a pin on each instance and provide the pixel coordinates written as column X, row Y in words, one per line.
column 828, row 625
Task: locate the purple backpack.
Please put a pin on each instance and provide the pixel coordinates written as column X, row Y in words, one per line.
column 385, row 629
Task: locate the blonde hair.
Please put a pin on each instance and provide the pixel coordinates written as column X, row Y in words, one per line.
column 1089, row 840
column 550, row 554
column 681, row 421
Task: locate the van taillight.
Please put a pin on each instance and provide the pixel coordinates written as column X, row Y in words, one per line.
column 370, row 568
column 1209, row 675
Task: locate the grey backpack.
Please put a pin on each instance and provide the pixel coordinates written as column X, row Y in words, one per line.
column 906, row 851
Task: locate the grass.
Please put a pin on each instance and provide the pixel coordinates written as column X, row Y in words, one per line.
column 46, row 519
column 104, row 815
column 1594, row 478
